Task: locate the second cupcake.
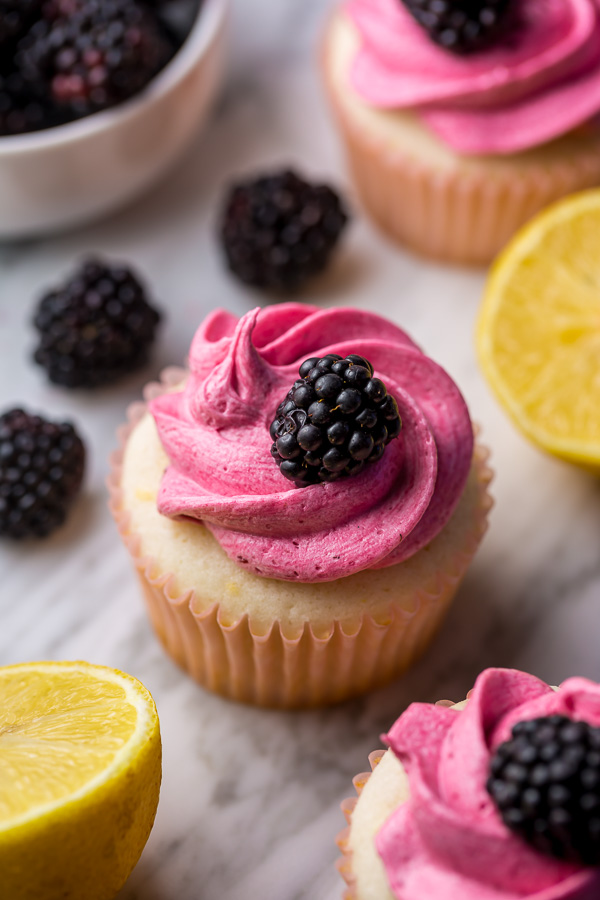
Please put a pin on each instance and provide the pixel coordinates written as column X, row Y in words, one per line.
column 462, row 120
column 300, row 592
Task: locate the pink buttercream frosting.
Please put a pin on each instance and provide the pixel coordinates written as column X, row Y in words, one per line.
column 215, row 433
column 538, row 82
column 448, row 839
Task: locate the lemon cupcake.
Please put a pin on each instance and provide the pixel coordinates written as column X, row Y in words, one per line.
column 454, row 144
column 495, row 798
column 295, row 570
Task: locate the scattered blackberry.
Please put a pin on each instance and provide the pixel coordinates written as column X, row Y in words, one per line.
column 334, row 419
column 279, row 230
column 462, row 26
column 95, row 327
column 41, row 469
column 15, row 18
column 545, row 782
column 102, row 53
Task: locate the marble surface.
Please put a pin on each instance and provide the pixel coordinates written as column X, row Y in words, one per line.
column 250, row 799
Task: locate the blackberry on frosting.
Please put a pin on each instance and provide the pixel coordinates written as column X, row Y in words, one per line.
column 545, row 782
column 335, row 418
column 461, row 26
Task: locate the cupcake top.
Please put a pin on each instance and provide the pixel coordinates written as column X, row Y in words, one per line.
column 504, row 795
column 215, row 431
column 538, row 80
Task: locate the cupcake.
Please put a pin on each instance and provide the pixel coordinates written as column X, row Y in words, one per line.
column 453, row 148
column 495, row 798
column 302, row 592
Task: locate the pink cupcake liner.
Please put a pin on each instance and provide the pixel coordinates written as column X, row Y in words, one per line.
column 463, row 216
column 275, row 669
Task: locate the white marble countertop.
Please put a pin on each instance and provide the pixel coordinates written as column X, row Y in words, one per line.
column 250, row 799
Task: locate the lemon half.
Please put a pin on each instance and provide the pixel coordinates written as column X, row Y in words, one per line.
column 538, row 334
column 80, row 770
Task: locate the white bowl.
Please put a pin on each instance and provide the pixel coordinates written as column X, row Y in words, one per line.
column 64, row 176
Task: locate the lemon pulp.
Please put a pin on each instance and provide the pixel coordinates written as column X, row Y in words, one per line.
column 80, row 763
column 539, row 329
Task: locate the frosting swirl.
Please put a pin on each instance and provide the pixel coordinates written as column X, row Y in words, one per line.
column 448, row 839
column 215, row 433
column 537, row 83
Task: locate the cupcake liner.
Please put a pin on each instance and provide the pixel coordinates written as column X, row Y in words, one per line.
column 462, row 216
column 344, row 864
column 271, row 668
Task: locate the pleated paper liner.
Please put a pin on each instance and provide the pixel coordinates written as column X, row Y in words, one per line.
column 344, row 864
column 463, row 216
column 271, row 668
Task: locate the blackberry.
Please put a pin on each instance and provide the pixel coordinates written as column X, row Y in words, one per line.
column 15, row 18
column 96, row 327
column 545, row 782
column 20, row 111
column 278, row 230
column 462, row 26
column 335, row 418
column 102, row 53
column 41, row 469
column 178, row 16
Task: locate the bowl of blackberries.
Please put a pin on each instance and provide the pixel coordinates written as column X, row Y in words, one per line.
column 98, row 98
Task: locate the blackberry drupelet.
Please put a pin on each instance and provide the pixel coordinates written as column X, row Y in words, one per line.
column 335, row 418
column 545, row 782
column 461, row 26
column 99, row 55
column 279, row 230
column 96, row 327
column 41, row 469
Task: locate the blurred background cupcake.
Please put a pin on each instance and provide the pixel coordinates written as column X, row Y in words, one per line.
column 462, row 120
column 314, row 563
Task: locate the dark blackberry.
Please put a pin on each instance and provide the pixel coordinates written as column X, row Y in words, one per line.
column 41, row 469
column 335, row 418
column 462, row 26
column 20, row 110
column 178, row 16
column 96, row 327
column 279, row 230
column 545, row 782
column 15, row 18
column 99, row 55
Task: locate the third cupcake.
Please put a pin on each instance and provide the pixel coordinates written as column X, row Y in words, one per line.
column 495, row 798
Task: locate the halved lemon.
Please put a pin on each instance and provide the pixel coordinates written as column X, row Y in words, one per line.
column 80, row 769
column 538, row 334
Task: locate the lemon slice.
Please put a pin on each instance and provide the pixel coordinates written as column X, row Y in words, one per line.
column 538, row 335
column 80, row 768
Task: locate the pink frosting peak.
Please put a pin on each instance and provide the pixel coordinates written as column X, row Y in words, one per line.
column 541, row 80
column 448, row 839
column 215, row 433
